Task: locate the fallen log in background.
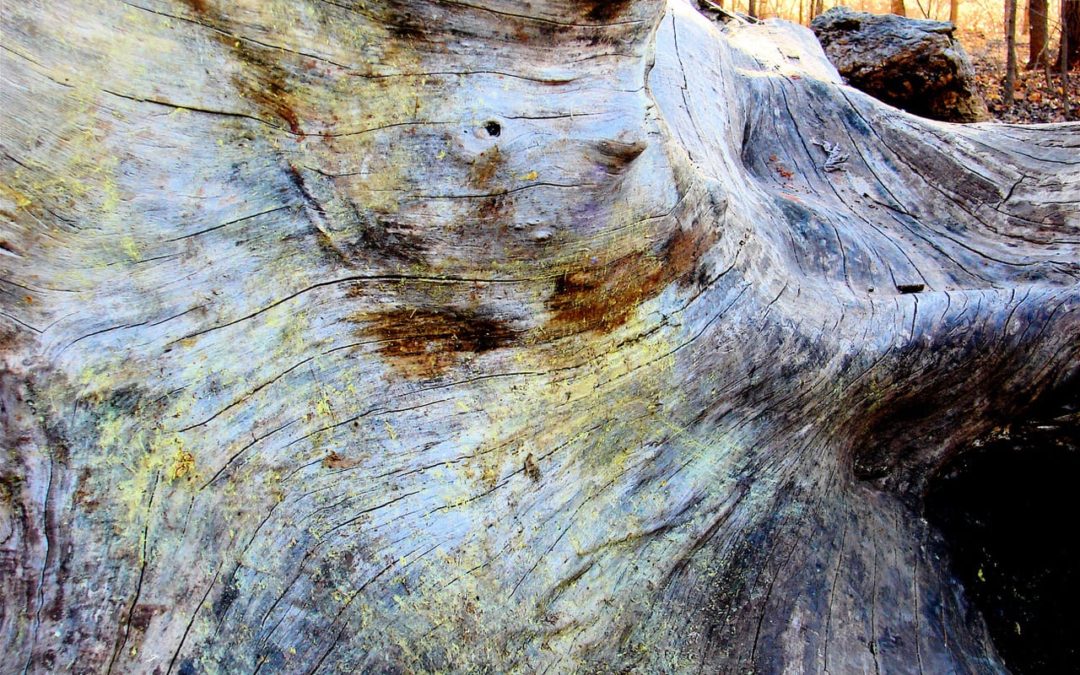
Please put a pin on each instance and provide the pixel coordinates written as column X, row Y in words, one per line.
column 440, row 336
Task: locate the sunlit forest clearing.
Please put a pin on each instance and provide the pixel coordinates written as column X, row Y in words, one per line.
column 975, row 16
column 981, row 27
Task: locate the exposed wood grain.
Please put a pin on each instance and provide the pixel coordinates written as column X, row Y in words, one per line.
column 542, row 337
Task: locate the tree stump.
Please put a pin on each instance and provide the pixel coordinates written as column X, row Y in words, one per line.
column 546, row 337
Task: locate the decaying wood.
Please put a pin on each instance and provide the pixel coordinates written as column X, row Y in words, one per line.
column 547, row 337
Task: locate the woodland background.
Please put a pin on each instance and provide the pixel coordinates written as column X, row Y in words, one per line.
column 1041, row 94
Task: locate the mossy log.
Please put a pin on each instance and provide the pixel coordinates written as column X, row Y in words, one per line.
column 540, row 337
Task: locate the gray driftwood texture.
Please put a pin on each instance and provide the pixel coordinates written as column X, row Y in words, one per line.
column 542, row 337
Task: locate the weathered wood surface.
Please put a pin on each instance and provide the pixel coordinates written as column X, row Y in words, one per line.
column 547, row 337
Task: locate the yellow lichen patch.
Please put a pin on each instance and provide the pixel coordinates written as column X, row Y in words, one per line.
column 183, row 465
column 323, row 407
column 130, row 247
column 390, row 431
column 8, row 192
column 489, row 475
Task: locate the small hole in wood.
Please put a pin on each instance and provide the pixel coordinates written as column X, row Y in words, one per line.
column 493, row 128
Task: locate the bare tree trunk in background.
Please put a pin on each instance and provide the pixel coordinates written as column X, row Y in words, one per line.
column 1069, row 54
column 1010, row 47
column 1025, row 24
column 819, row 8
column 897, row 7
column 954, row 12
column 751, row 8
column 1068, row 48
column 357, row 337
column 1038, row 23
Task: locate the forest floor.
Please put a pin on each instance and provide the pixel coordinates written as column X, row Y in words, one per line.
column 1034, row 101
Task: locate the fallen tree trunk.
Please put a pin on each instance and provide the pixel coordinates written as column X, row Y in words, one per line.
column 416, row 336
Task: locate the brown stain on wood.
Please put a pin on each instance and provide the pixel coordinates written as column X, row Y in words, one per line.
column 198, row 6
column 532, row 469
column 683, row 251
column 484, row 173
column 297, row 179
column 4, row 244
column 86, row 494
column 405, row 23
column 604, row 10
column 615, row 156
column 497, row 209
column 425, row 343
column 337, row 461
column 602, row 297
column 260, row 78
column 263, row 81
column 142, row 615
column 486, row 167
